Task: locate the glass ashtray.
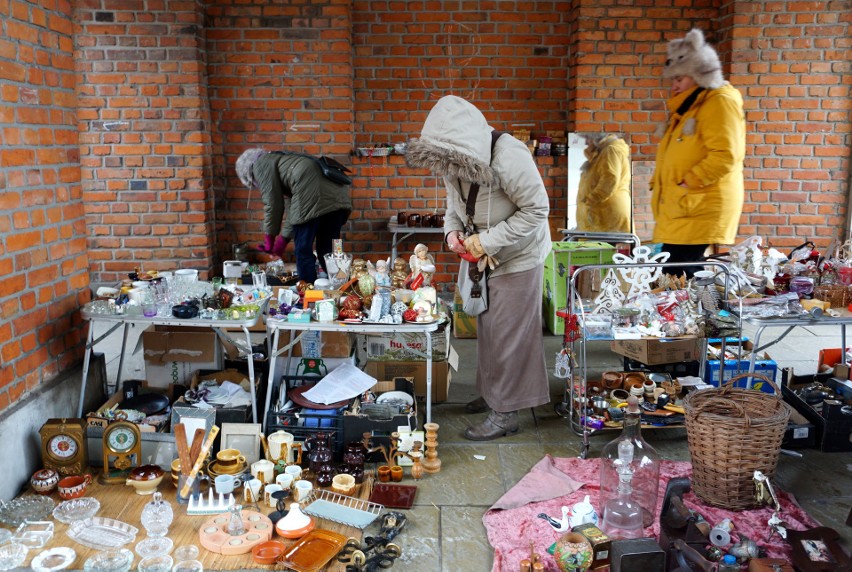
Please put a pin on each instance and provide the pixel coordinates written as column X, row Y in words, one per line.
column 110, row 561
column 154, row 546
column 12, row 555
column 34, row 534
column 161, row 563
column 186, row 552
column 53, row 559
column 76, row 509
column 30, row 508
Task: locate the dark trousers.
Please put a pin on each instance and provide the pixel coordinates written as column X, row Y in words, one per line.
column 323, row 229
column 684, row 253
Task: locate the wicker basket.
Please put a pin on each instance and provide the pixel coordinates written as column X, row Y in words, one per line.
column 732, row 433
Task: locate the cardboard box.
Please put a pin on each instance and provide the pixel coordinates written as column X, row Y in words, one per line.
column 239, row 413
column 800, row 433
column 441, row 375
column 558, row 267
column 763, row 365
column 464, row 325
column 652, row 351
column 402, row 346
column 173, row 353
column 96, row 419
column 316, row 344
column 354, row 426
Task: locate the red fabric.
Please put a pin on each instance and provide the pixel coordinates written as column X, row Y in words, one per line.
column 511, row 531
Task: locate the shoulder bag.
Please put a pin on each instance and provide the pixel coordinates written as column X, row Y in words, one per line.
column 472, row 283
column 332, row 169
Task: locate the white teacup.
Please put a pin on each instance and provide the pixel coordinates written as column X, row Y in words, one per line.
column 251, row 491
column 301, row 490
column 225, row 484
column 284, row 481
column 294, row 471
column 267, row 494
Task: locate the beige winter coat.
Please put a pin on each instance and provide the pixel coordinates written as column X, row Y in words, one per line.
column 512, row 205
column 603, row 196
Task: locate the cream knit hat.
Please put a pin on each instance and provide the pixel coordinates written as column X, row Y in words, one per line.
column 692, row 56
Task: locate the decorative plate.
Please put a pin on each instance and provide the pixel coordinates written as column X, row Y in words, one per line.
column 20, row 509
column 76, row 509
column 395, row 396
column 102, row 533
column 52, row 559
column 429, row 321
column 393, row 496
column 110, row 561
column 154, row 546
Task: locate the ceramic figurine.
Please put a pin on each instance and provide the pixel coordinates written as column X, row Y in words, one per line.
column 400, row 273
column 381, row 273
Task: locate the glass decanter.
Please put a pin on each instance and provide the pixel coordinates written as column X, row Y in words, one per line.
column 622, row 516
column 636, row 467
column 157, row 516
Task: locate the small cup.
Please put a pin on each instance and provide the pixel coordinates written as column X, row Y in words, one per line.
column 344, row 484
column 396, row 473
column 301, row 490
column 384, row 473
column 251, row 491
column 402, row 218
column 230, row 457
column 284, row 481
column 294, row 471
column 74, row 486
column 267, row 494
column 225, row 484
column 414, row 219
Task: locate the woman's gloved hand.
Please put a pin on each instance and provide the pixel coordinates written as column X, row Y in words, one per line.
column 454, row 242
column 473, row 246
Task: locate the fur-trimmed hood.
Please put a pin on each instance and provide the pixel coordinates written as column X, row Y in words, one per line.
column 455, row 142
column 692, row 56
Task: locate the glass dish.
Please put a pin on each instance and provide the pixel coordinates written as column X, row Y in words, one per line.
column 188, row 566
column 12, row 555
column 161, row 563
column 20, row 509
column 186, row 552
column 34, row 534
column 110, row 561
column 314, row 550
column 102, row 533
column 154, row 546
column 52, row 559
column 76, row 509
column 5, row 535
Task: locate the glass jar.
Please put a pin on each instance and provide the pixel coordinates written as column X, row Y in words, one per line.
column 630, row 474
column 157, row 516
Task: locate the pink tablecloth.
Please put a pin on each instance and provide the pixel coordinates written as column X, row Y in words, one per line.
column 512, row 523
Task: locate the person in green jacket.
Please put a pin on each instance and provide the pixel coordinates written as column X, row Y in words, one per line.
column 697, row 186
column 316, row 207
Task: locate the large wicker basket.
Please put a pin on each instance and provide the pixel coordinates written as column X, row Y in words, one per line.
column 732, row 433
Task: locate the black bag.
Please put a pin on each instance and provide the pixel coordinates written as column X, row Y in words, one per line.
column 334, row 171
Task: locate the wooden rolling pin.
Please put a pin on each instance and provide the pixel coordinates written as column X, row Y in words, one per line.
column 205, row 448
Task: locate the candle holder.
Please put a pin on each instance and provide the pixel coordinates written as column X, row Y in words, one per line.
column 416, row 456
column 431, row 464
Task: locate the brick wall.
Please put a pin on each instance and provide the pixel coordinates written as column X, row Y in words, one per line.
column 43, row 265
column 145, row 136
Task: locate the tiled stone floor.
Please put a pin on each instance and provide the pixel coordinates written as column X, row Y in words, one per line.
column 445, row 530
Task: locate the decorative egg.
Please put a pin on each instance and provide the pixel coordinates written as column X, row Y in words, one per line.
column 366, row 284
column 398, row 308
column 351, row 303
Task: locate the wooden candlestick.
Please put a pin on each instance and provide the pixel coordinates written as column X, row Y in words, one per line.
column 431, row 464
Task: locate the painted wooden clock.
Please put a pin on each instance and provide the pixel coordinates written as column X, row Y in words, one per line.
column 63, row 446
column 122, row 448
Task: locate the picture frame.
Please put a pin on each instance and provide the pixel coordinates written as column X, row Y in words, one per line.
column 193, row 418
column 245, row 437
column 817, row 550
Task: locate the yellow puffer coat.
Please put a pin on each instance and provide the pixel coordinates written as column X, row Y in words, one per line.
column 603, row 195
column 703, row 149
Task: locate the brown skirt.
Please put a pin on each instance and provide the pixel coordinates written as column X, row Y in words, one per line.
column 510, row 367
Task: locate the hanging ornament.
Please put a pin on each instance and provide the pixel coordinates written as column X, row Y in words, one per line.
column 640, row 277
column 611, row 297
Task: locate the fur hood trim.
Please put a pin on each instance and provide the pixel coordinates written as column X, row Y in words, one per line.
column 448, row 162
column 692, row 56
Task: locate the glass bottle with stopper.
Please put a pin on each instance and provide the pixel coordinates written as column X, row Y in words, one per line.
column 630, row 474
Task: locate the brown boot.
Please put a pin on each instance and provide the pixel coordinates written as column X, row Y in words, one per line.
column 478, row 405
column 495, row 425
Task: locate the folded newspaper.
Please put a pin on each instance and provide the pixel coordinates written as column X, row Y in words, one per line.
column 342, row 383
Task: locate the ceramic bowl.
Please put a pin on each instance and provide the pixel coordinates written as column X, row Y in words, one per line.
column 343, row 484
column 12, row 555
column 44, row 481
column 268, row 552
column 145, row 479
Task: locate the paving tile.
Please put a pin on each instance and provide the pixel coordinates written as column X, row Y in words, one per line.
column 464, row 544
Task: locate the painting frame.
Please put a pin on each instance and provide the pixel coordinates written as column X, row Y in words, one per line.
column 193, row 418
column 246, row 437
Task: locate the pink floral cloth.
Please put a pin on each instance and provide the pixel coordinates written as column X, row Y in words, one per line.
column 513, row 523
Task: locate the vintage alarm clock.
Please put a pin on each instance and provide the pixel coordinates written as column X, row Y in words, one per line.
column 63, row 446
column 122, row 448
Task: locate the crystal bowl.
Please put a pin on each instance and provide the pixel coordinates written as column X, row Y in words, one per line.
column 12, row 555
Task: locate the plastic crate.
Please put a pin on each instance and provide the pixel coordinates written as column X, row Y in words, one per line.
column 305, row 425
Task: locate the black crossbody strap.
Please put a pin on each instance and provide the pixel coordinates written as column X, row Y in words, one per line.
column 470, row 204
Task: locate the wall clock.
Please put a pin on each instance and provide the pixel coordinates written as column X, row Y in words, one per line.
column 63, row 446
column 122, row 447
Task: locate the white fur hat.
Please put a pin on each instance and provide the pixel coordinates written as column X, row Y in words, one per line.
column 692, row 56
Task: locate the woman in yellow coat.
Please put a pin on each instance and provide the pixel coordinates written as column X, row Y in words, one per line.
column 697, row 186
column 603, row 195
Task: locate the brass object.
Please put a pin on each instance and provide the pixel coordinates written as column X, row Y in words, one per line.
column 63, row 446
column 122, row 449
